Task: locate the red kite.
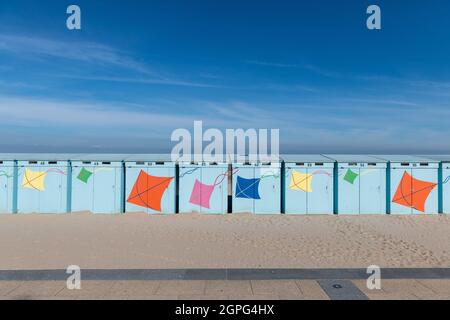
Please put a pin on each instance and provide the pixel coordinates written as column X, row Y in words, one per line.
column 413, row 193
column 148, row 191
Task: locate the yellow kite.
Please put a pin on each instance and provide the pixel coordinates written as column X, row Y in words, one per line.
column 34, row 180
column 301, row 181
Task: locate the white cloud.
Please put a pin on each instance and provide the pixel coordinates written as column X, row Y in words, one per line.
column 95, row 54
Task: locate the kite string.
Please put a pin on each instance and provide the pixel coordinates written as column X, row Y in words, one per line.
column 222, row 177
column 191, row 171
column 4, row 173
column 56, row 170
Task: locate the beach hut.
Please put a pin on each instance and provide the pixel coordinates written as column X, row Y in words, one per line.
column 97, row 183
column 42, row 183
column 413, row 184
column 150, row 184
column 256, row 187
column 7, row 169
column 361, row 182
column 308, row 184
column 443, row 182
column 203, row 187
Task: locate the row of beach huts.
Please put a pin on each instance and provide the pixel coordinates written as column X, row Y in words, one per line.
column 292, row 184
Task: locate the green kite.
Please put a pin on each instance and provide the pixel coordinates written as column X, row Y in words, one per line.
column 84, row 175
column 350, row 176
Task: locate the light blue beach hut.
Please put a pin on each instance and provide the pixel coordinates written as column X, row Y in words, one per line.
column 150, row 183
column 413, row 184
column 308, row 184
column 256, row 186
column 203, row 187
column 6, row 185
column 361, row 184
column 42, row 183
column 97, row 183
column 443, row 182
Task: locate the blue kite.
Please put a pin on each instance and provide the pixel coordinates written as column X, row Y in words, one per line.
column 247, row 188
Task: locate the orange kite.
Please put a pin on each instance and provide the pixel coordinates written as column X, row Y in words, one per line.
column 148, row 191
column 413, row 193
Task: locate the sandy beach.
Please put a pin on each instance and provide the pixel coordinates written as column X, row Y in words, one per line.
column 222, row 241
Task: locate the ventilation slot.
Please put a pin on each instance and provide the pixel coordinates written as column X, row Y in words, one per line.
column 106, row 162
column 405, row 164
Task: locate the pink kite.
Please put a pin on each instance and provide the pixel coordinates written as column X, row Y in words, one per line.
column 201, row 194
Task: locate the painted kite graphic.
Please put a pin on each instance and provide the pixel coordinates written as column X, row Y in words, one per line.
column 350, row 176
column 247, row 188
column 148, row 191
column 201, row 193
column 84, row 175
column 413, row 193
column 34, row 180
column 301, row 181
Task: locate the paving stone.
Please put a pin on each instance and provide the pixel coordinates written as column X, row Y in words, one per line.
column 229, row 287
column 178, row 287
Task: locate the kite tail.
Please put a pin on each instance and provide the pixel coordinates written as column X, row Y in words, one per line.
column 323, row 172
column 221, row 177
column 56, row 170
column 95, row 170
column 4, row 173
column 191, row 171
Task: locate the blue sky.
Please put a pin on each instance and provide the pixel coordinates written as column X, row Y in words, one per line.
column 138, row 70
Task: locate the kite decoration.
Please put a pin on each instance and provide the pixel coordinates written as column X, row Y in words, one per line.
column 301, row 181
column 84, row 175
column 201, row 193
column 36, row 179
column 247, row 188
column 350, row 176
column 148, row 191
column 413, row 193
